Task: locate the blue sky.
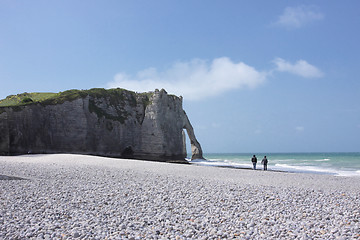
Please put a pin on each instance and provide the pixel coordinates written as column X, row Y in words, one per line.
column 256, row 76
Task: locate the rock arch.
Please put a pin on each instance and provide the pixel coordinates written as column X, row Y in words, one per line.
column 196, row 150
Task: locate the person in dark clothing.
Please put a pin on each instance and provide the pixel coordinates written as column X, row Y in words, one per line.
column 264, row 162
column 254, row 161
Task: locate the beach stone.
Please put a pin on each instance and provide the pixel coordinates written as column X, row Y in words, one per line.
column 87, row 197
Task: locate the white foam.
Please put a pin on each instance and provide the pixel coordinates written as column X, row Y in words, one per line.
column 281, row 167
column 322, row 160
column 219, row 163
column 314, row 169
column 349, row 173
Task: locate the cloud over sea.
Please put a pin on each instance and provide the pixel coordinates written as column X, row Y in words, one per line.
column 199, row 79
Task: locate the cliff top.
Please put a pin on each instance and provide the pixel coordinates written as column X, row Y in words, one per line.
column 70, row 95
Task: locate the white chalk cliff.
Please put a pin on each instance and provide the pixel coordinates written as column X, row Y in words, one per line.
column 114, row 123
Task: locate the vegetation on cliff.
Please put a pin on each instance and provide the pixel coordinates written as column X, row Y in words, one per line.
column 114, row 95
column 21, row 99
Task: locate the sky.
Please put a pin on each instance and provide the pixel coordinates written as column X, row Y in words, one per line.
column 256, row 76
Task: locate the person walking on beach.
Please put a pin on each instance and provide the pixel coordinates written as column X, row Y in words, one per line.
column 264, row 162
column 254, row 161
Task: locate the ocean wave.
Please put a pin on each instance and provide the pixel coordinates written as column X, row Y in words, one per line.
column 284, row 167
column 322, row 160
column 303, row 168
column 206, row 162
column 315, row 169
column 283, row 160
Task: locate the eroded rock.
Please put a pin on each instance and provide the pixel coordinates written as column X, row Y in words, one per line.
column 114, row 123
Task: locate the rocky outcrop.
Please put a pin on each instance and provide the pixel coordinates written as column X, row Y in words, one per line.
column 114, row 123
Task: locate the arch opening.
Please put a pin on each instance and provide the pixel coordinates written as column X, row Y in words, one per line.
column 196, row 151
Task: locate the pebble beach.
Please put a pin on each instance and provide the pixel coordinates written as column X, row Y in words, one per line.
column 64, row 196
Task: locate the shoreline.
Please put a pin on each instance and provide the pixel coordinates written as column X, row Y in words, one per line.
column 248, row 168
column 274, row 170
column 222, row 173
column 335, row 164
column 69, row 196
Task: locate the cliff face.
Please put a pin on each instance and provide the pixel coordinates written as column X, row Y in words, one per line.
column 114, row 123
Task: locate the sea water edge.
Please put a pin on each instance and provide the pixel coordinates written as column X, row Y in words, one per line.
column 332, row 163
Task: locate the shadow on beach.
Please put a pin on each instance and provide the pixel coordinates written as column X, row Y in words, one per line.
column 5, row 177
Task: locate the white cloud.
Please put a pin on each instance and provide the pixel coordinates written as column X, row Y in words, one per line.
column 299, row 128
column 196, row 79
column 199, row 79
column 301, row 68
column 296, row 17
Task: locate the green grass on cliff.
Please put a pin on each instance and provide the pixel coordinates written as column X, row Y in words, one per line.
column 114, row 95
column 20, row 99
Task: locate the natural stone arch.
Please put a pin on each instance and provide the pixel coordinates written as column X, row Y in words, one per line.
column 196, row 150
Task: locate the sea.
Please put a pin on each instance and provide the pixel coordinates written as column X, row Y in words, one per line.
column 338, row 164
